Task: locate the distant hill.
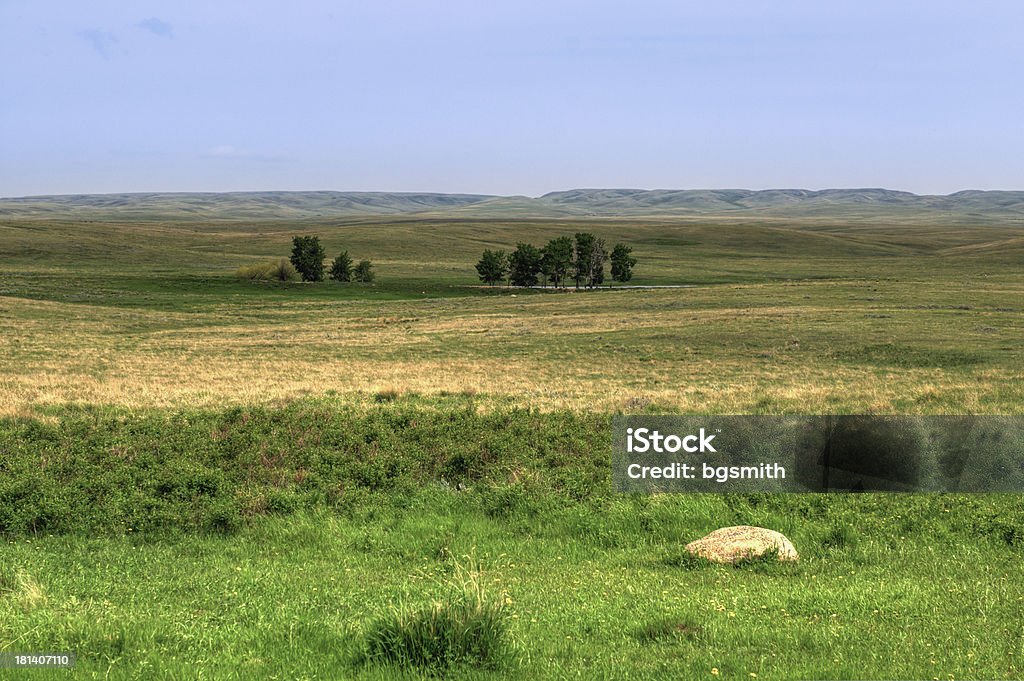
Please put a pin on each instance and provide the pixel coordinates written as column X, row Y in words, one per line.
column 231, row 205
column 571, row 203
column 780, row 202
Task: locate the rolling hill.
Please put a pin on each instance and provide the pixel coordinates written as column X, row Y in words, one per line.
column 780, row 203
column 230, row 205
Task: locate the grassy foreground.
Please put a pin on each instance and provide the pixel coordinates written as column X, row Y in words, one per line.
column 235, row 558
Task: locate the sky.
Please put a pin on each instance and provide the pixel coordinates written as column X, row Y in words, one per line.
column 509, row 98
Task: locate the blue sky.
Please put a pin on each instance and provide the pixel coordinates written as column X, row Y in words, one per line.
column 510, row 97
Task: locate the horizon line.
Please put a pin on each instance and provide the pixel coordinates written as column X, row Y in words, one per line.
column 500, row 196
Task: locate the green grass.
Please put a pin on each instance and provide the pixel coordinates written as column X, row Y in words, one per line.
column 909, row 357
column 927, row 591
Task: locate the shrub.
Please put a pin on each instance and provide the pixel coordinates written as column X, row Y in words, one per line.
column 515, row 499
column 269, row 271
column 223, row 517
column 364, row 272
column 285, row 271
column 256, row 272
column 469, row 626
column 163, row 472
column 341, row 268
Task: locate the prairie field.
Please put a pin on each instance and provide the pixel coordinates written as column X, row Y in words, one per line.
column 780, row 318
column 207, row 477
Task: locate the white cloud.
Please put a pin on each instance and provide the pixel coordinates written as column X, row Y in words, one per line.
column 157, row 27
column 101, row 41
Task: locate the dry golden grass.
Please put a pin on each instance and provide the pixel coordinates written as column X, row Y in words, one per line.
column 23, row 589
column 753, row 348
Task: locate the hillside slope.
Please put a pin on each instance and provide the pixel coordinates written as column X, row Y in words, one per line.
column 776, row 203
column 230, row 205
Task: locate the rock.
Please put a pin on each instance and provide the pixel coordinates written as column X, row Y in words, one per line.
column 729, row 544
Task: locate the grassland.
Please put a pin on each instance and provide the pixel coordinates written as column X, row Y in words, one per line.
column 891, row 590
column 812, row 317
column 209, row 477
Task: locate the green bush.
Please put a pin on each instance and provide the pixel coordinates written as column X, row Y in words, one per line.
column 159, row 472
column 341, row 268
column 468, row 626
column 269, row 271
column 364, row 272
column 516, row 499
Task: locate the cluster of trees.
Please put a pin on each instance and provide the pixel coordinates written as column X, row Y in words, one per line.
column 581, row 259
column 308, row 259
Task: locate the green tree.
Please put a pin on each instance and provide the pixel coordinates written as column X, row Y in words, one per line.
column 584, row 257
column 622, row 263
column 364, row 272
column 308, row 257
column 492, row 267
column 524, row 265
column 588, row 268
column 556, row 260
column 341, row 268
column 598, row 256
